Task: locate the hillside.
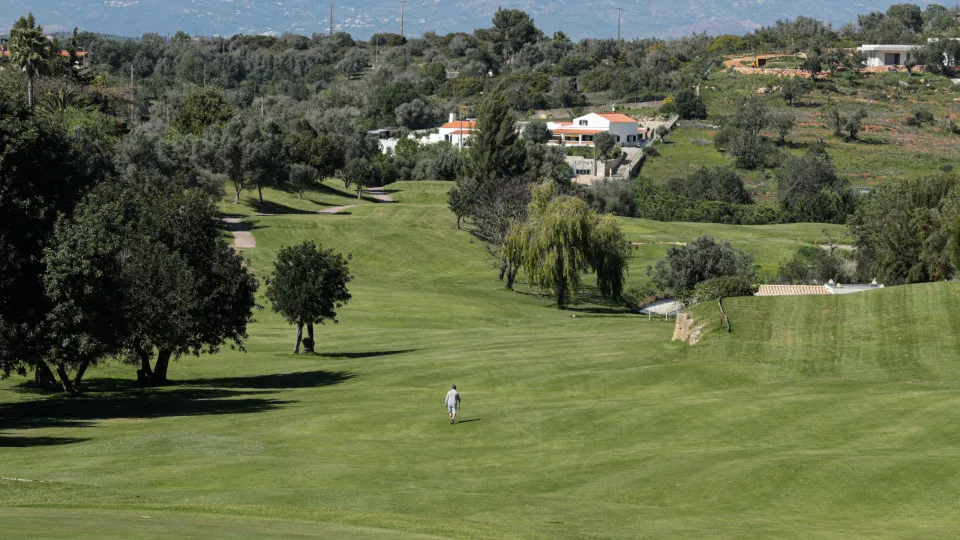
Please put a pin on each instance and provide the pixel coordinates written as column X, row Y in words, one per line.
column 817, row 417
column 363, row 18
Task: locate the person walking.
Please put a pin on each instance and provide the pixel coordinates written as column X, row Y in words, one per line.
column 452, row 401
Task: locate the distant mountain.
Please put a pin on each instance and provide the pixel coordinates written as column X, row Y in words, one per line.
column 361, row 18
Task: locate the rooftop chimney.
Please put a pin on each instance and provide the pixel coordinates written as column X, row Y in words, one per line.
column 453, row 117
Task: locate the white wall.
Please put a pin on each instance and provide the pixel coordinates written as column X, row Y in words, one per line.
column 625, row 132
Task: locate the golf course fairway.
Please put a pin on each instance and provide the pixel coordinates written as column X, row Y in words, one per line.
column 818, row 417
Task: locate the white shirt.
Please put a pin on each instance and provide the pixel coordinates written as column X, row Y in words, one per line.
column 452, row 398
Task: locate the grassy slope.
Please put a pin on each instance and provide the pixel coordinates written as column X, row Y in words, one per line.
column 594, row 425
column 888, row 150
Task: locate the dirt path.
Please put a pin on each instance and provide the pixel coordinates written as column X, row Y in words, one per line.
column 335, row 209
column 378, row 194
column 241, row 239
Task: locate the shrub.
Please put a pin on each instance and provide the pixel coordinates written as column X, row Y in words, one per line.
column 636, row 297
column 669, row 106
column 813, row 265
column 704, row 258
column 919, row 118
column 721, row 287
column 613, row 197
column 689, row 105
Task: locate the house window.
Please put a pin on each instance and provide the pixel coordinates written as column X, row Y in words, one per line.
column 583, row 122
column 587, row 138
column 618, row 138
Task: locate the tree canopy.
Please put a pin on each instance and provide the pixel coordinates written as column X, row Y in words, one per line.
column 308, row 285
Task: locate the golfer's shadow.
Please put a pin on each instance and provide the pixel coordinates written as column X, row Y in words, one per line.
column 470, row 420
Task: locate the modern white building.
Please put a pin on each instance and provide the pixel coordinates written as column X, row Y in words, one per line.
column 581, row 130
column 888, row 55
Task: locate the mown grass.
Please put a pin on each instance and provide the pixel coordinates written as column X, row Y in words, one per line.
column 818, row 417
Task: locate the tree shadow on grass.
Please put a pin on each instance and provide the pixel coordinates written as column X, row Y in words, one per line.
column 136, row 403
column 114, row 398
column 29, row 442
column 270, row 207
column 306, row 379
column 242, row 226
column 367, row 354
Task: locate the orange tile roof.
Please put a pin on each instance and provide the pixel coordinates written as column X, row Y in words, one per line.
column 67, row 53
column 579, row 131
column 462, row 124
column 460, row 132
column 791, row 290
column 616, row 117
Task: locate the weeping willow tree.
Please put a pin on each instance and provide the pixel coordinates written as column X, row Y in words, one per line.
column 610, row 253
column 561, row 240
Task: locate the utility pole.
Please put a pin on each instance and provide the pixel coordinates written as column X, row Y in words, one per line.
column 131, row 74
column 331, row 18
column 402, row 2
column 618, row 23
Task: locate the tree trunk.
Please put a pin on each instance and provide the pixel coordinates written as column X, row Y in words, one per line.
column 160, row 369
column 459, row 217
column 359, row 190
column 260, row 193
column 300, row 194
column 65, row 379
column 30, row 88
column 503, row 269
column 308, row 347
column 511, row 275
column 236, row 191
column 296, row 346
column 43, row 376
column 144, row 374
column 79, row 377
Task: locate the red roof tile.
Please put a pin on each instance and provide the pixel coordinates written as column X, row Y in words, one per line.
column 616, row 117
column 462, row 124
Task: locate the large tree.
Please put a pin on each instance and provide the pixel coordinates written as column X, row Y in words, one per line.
column 905, row 231
column 514, row 29
column 29, row 50
column 360, row 172
column 44, row 171
column 810, row 190
column 491, row 189
column 308, row 285
column 264, row 161
column 562, row 239
column 204, row 106
column 132, row 275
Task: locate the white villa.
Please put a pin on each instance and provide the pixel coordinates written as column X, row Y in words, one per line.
column 455, row 132
column 888, row 55
column 581, row 130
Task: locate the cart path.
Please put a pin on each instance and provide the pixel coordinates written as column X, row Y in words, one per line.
column 241, row 239
column 378, row 194
column 335, row 209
